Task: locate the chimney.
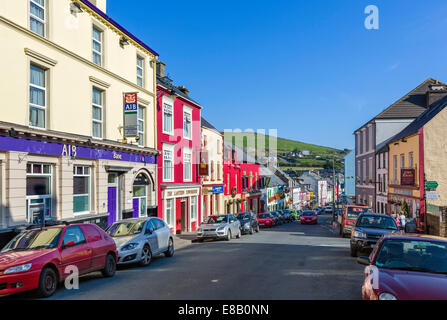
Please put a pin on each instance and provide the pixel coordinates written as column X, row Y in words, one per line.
column 184, row 90
column 436, row 91
column 161, row 67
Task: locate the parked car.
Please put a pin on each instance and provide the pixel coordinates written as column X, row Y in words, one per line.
column 140, row 239
column 294, row 214
column 37, row 258
column 249, row 222
column 309, row 217
column 224, row 226
column 282, row 216
column 368, row 230
column 277, row 217
column 348, row 217
column 328, row 210
column 266, row 220
column 299, row 213
column 406, row 267
column 289, row 217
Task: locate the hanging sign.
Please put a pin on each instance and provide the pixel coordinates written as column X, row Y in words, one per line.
column 130, row 115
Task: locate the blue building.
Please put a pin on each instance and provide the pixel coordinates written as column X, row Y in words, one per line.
column 350, row 174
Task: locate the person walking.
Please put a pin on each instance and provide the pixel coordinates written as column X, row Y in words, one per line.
column 402, row 219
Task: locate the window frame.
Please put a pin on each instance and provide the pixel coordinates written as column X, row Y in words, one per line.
column 101, row 122
column 32, row 16
column 171, row 107
column 187, row 111
column 89, row 176
column 140, row 67
column 168, row 148
column 44, row 89
column 187, row 152
column 141, row 134
column 101, row 43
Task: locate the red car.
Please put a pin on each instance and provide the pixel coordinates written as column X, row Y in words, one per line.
column 266, row 220
column 309, row 217
column 406, row 267
column 38, row 258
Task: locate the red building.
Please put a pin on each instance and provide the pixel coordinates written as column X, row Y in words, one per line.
column 179, row 141
column 242, row 181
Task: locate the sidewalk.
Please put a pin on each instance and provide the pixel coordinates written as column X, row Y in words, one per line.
column 184, row 240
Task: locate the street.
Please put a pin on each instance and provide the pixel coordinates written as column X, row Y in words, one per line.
column 291, row 261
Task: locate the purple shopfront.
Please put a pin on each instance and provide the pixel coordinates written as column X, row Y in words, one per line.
column 111, row 181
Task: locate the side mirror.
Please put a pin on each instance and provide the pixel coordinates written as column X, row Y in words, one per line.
column 149, row 231
column 364, row 261
column 69, row 244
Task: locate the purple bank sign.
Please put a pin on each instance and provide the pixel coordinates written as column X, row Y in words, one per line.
column 68, row 150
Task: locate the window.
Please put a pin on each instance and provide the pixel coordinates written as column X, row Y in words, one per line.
column 168, row 124
column 140, row 192
column 187, row 165
column 395, row 168
column 38, row 192
column 410, row 160
column 219, row 147
column 193, row 209
column 187, row 134
column 168, row 166
column 74, row 234
column 37, row 21
column 402, row 161
column 81, row 189
column 378, row 160
column 37, row 97
column 159, row 224
column 141, row 125
column 97, row 46
column 228, row 184
column 97, row 109
column 140, row 71
column 169, row 215
column 384, row 182
column 384, row 160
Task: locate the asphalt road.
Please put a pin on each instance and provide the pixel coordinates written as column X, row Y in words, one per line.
column 291, row 261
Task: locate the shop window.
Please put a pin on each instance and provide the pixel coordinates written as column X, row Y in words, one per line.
column 37, row 17
column 38, row 192
column 169, row 213
column 193, row 210
column 81, row 189
column 140, row 193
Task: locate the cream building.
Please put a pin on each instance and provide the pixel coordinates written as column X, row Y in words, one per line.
column 62, row 152
column 213, row 184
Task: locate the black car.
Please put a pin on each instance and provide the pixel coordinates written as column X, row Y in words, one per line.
column 369, row 228
column 249, row 222
column 278, row 220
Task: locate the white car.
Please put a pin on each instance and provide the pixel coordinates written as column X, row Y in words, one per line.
column 138, row 240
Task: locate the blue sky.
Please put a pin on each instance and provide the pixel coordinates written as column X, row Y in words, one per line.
column 307, row 68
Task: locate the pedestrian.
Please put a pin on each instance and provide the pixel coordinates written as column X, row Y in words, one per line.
column 393, row 215
column 402, row 219
column 397, row 222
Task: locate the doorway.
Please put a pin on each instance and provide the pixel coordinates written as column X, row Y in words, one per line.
column 184, row 216
column 112, row 198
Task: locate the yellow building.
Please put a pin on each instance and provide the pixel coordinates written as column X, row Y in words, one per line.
column 65, row 67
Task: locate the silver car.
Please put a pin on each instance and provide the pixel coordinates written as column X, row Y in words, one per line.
column 138, row 240
column 224, row 226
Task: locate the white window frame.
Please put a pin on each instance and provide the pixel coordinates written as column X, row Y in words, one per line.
column 101, row 122
column 44, row 21
column 101, row 43
column 140, row 67
column 187, row 111
column 172, row 213
column 193, row 210
column 142, row 133
column 187, row 152
column 44, row 89
column 168, row 107
column 83, row 174
column 168, row 149
column 44, row 198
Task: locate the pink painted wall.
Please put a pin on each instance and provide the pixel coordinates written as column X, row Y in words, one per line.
column 179, row 142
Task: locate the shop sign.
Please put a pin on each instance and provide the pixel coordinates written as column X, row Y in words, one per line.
column 203, row 165
column 130, row 115
column 407, row 177
column 432, row 196
column 218, row 190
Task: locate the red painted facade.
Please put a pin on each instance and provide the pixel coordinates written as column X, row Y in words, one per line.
column 177, row 190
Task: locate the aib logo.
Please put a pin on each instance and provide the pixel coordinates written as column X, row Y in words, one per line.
column 372, row 20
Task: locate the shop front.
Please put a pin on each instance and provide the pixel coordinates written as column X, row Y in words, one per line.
column 66, row 178
column 181, row 207
column 212, row 200
column 254, row 201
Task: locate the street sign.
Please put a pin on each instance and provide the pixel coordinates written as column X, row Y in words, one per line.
column 431, row 185
column 432, row 195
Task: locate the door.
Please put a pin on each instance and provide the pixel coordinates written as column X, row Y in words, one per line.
column 151, row 236
column 184, row 216
column 112, row 198
column 79, row 255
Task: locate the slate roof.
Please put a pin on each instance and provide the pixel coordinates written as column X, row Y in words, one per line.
column 164, row 82
column 409, row 106
column 206, row 124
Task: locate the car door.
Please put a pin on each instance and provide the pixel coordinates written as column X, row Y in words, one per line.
column 99, row 251
column 80, row 254
column 163, row 233
column 151, row 236
column 234, row 225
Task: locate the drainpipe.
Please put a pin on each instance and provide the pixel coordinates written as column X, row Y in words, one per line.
column 154, row 85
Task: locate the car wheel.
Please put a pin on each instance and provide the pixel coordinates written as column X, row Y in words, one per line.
column 354, row 252
column 47, row 283
column 146, row 256
column 228, row 235
column 170, row 252
column 110, row 267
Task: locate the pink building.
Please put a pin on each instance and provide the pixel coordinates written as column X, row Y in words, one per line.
column 242, row 181
column 179, row 142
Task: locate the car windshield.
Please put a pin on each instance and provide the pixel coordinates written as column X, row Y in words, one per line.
column 309, row 214
column 274, row 214
column 354, row 212
column 243, row 216
column 216, row 219
column 413, row 255
column 264, row 216
column 376, row 222
column 34, row 240
column 128, row 228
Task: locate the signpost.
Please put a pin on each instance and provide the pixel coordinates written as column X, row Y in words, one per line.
column 431, row 185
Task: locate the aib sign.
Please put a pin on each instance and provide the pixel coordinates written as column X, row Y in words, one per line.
column 130, row 115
